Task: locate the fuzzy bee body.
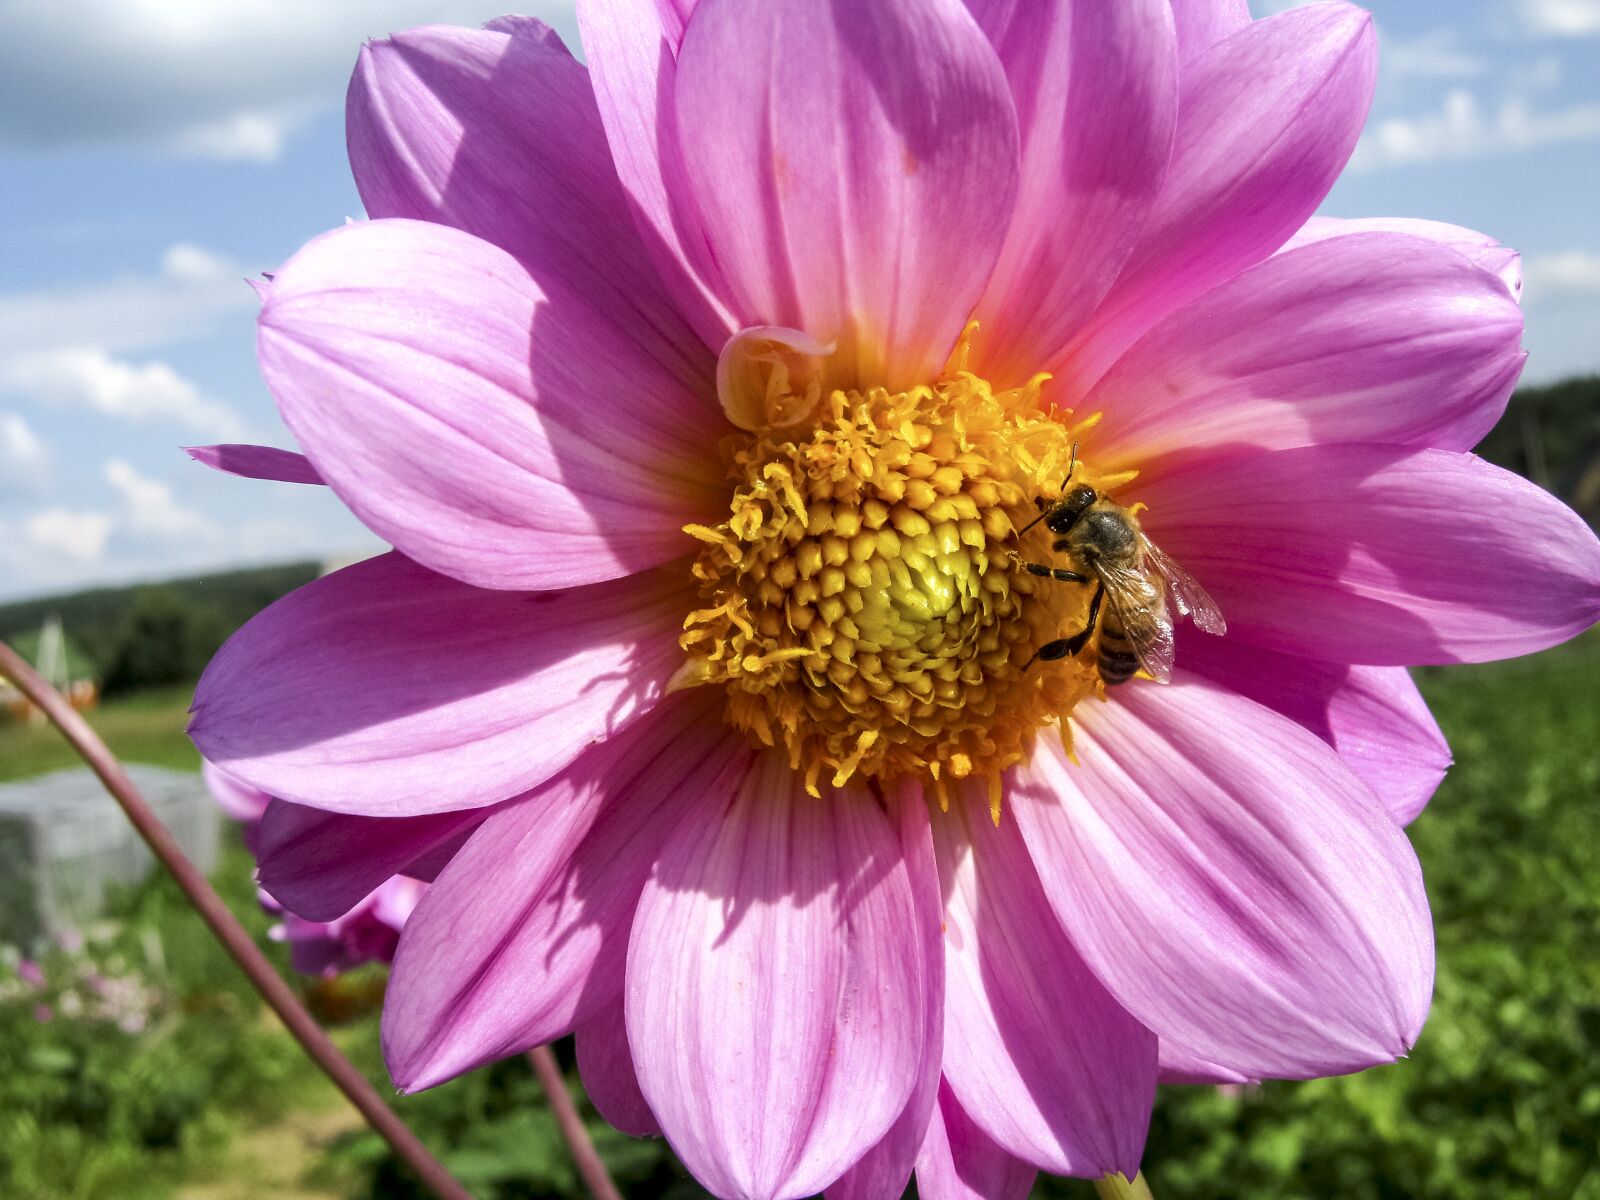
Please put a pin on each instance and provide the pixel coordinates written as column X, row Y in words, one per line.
column 1132, row 581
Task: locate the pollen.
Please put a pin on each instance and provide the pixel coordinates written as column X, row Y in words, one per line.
column 862, row 605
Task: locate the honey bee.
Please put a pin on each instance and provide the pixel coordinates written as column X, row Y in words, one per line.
column 1132, row 580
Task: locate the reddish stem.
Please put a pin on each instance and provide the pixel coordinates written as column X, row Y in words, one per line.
column 227, row 930
column 590, row 1166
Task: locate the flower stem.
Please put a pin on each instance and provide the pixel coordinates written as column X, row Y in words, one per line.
column 589, row 1163
column 1120, row 1187
column 227, row 930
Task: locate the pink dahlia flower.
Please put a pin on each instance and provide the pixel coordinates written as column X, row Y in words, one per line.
column 703, row 393
column 366, row 931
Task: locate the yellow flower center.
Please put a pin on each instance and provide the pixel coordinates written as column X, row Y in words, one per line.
column 863, row 606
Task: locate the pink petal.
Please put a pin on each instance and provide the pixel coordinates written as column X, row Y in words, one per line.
column 1036, row 1050
column 523, row 934
column 1203, row 23
column 1477, row 248
column 1231, row 882
column 1376, row 337
column 1096, row 90
column 427, row 866
column 606, row 1064
column 886, row 1168
column 1181, row 1066
column 859, row 204
column 233, row 795
column 489, row 427
column 1377, row 554
column 500, row 136
column 777, row 986
column 1267, row 118
column 959, row 1162
column 527, row 27
column 256, row 462
column 1373, row 716
column 387, row 690
column 320, row 865
column 632, row 47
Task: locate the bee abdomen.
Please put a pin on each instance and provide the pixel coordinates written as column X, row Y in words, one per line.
column 1117, row 661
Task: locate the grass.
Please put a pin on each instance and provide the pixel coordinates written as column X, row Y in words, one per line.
column 146, row 727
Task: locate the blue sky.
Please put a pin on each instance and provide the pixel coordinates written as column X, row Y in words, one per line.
column 155, row 152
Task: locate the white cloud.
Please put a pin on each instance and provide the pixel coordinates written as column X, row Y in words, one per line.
column 151, row 511
column 78, row 536
column 249, row 136
column 196, row 77
column 1562, row 18
column 194, row 290
column 1571, row 271
column 20, row 448
column 186, row 263
column 1461, row 128
column 1435, row 55
column 90, row 378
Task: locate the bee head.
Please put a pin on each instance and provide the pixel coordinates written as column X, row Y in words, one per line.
column 1076, row 501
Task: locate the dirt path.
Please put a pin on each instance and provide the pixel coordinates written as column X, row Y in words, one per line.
column 269, row 1162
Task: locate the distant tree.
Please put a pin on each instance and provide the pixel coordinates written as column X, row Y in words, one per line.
column 1551, row 434
column 161, row 643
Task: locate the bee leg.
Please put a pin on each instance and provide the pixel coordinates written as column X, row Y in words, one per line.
column 1080, row 639
column 1061, row 574
column 1067, row 647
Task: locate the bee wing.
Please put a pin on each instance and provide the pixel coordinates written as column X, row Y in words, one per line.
column 1192, row 600
column 1142, row 612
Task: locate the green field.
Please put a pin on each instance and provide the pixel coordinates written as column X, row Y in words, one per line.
column 146, row 727
column 1500, row 1099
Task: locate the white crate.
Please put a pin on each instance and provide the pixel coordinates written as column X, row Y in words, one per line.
column 64, row 843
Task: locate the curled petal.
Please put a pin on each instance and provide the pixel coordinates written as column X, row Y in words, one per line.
column 387, row 690
column 482, row 424
column 777, row 986
column 1231, row 882
column 256, row 462
column 862, row 205
column 769, row 377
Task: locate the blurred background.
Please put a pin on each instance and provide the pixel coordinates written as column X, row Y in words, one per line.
column 154, row 153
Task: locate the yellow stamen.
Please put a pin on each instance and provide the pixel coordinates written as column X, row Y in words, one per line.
column 863, row 603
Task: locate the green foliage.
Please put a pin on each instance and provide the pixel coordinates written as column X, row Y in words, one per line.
column 127, row 1066
column 495, row 1132
column 163, row 641
column 97, row 620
